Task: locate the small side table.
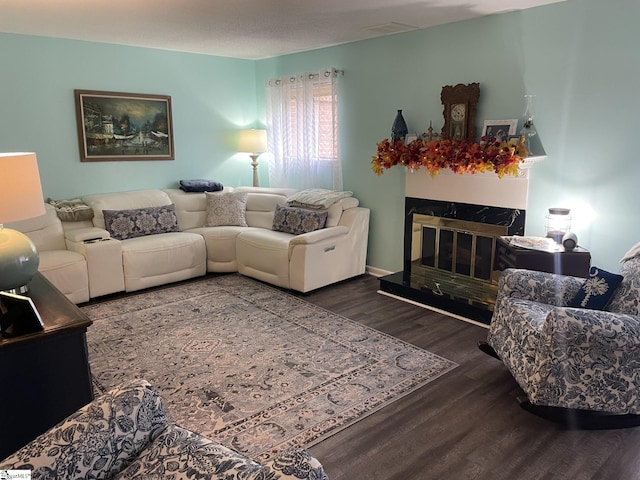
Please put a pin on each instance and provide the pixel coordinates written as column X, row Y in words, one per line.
column 575, row 263
column 45, row 375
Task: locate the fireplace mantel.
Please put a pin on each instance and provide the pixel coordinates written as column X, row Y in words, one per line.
column 478, row 189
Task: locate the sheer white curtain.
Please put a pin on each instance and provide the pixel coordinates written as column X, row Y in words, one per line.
column 302, row 130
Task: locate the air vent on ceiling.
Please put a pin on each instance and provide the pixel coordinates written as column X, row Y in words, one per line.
column 391, row 27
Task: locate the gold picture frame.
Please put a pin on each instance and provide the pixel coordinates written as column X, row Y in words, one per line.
column 114, row 126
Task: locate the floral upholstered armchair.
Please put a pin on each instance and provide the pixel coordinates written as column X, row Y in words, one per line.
column 124, row 434
column 578, row 366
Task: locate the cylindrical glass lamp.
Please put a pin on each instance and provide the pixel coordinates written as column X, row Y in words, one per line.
column 557, row 223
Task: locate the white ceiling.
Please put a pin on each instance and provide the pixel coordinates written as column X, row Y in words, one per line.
column 249, row 29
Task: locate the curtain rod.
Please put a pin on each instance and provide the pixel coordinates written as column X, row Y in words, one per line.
column 294, row 77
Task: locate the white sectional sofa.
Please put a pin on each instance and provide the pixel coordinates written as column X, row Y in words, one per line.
column 84, row 260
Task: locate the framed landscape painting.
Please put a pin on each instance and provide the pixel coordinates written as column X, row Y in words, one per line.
column 123, row 126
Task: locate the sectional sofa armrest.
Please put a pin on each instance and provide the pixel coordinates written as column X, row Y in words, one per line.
column 99, row 440
column 318, row 236
column 86, row 235
column 548, row 288
column 103, row 255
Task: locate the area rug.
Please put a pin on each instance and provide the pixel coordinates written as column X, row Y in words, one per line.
column 250, row 366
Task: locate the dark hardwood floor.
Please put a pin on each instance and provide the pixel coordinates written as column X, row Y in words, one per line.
column 465, row 425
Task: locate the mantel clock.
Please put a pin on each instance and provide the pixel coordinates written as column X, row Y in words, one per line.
column 460, row 104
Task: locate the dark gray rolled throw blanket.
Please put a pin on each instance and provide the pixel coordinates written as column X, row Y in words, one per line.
column 200, row 185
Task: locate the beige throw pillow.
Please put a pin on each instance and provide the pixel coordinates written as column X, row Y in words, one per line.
column 226, row 208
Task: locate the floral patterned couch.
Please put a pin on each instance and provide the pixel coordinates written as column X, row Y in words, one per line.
column 572, row 358
column 124, row 434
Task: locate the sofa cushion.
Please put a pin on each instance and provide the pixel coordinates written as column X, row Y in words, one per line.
column 297, row 220
column 264, row 254
column 123, row 224
column 597, row 290
column 226, row 208
column 261, row 207
column 220, row 245
column 45, row 231
column 67, row 270
column 159, row 259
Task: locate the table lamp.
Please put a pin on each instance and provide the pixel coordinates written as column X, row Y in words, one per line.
column 20, row 198
column 253, row 142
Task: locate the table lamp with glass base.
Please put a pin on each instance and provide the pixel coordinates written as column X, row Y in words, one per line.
column 20, row 198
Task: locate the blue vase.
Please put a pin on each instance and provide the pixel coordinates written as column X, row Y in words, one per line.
column 399, row 128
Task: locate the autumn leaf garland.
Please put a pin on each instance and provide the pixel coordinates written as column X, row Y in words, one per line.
column 461, row 156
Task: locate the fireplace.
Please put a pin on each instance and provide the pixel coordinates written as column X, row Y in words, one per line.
column 449, row 251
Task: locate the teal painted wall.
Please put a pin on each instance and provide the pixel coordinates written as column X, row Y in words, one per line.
column 211, row 97
column 579, row 57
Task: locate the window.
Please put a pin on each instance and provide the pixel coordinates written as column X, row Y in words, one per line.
column 302, row 131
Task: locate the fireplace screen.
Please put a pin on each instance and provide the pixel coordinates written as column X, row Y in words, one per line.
column 455, row 258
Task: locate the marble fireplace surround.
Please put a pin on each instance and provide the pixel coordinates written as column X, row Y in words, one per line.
column 459, row 202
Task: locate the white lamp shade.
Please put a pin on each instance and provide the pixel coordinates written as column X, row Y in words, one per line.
column 252, row 141
column 20, row 189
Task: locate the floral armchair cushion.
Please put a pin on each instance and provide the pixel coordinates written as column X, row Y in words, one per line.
column 98, row 440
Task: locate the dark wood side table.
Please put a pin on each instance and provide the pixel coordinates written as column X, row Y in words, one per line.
column 44, row 376
column 575, row 262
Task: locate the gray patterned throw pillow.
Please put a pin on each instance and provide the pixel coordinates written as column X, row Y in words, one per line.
column 226, row 208
column 123, row 224
column 297, row 220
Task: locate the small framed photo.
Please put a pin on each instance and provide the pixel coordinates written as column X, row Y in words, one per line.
column 410, row 137
column 501, row 130
column 18, row 315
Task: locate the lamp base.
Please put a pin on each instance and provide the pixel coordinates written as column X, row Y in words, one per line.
column 254, row 164
column 19, row 261
column 21, row 290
